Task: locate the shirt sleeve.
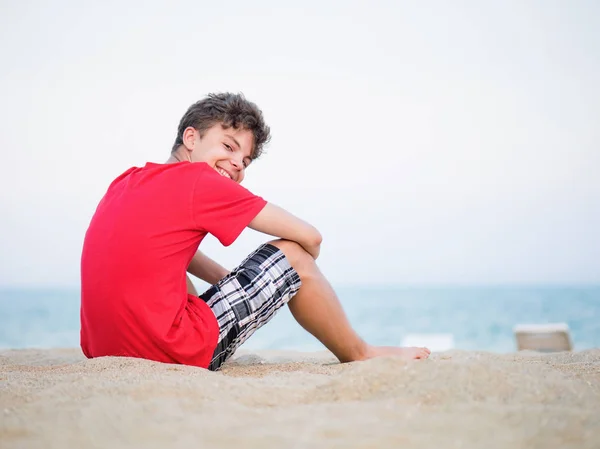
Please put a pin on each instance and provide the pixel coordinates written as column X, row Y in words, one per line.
column 222, row 207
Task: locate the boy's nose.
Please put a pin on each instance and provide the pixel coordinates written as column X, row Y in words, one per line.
column 236, row 164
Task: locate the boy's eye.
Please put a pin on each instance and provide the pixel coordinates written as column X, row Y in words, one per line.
column 228, row 147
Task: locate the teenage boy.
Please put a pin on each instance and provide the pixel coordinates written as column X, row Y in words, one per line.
column 136, row 299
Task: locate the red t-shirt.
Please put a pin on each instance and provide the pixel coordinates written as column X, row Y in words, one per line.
column 138, row 246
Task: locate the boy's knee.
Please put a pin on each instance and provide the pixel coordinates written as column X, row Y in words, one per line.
column 297, row 256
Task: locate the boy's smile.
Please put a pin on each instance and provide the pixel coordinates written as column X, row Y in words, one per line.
column 223, row 172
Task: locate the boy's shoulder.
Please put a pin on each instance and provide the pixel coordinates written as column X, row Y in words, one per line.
column 196, row 177
column 180, row 171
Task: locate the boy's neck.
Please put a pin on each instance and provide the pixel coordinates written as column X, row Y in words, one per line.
column 178, row 156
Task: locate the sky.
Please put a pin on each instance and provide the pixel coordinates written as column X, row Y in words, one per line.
column 429, row 142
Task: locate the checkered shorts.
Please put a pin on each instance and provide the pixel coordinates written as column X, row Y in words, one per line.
column 248, row 297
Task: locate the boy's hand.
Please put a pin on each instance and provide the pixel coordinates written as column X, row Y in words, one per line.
column 278, row 222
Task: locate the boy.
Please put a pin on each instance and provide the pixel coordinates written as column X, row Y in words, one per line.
column 136, row 299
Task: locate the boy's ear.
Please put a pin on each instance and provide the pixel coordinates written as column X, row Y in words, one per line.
column 189, row 137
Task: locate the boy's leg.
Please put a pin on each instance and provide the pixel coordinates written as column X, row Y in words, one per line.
column 278, row 273
column 318, row 310
column 248, row 297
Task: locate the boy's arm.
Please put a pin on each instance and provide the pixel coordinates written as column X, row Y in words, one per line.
column 205, row 268
column 274, row 220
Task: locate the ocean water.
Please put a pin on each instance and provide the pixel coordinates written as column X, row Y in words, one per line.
column 479, row 318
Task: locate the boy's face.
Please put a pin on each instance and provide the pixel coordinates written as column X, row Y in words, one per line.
column 227, row 150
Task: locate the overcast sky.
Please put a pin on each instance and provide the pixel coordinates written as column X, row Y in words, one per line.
column 429, row 142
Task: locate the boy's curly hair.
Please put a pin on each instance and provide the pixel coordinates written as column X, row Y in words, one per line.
column 231, row 110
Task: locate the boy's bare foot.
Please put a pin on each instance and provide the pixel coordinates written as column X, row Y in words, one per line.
column 411, row 353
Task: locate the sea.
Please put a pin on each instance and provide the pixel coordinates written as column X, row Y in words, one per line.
column 475, row 317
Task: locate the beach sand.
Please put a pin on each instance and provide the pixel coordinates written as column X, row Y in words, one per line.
column 57, row 399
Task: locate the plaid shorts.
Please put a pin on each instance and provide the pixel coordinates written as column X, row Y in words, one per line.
column 248, row 297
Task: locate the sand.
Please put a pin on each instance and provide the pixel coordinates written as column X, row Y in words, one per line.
column 58, row 399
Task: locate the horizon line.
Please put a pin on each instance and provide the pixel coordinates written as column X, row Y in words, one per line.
column 381, row 285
